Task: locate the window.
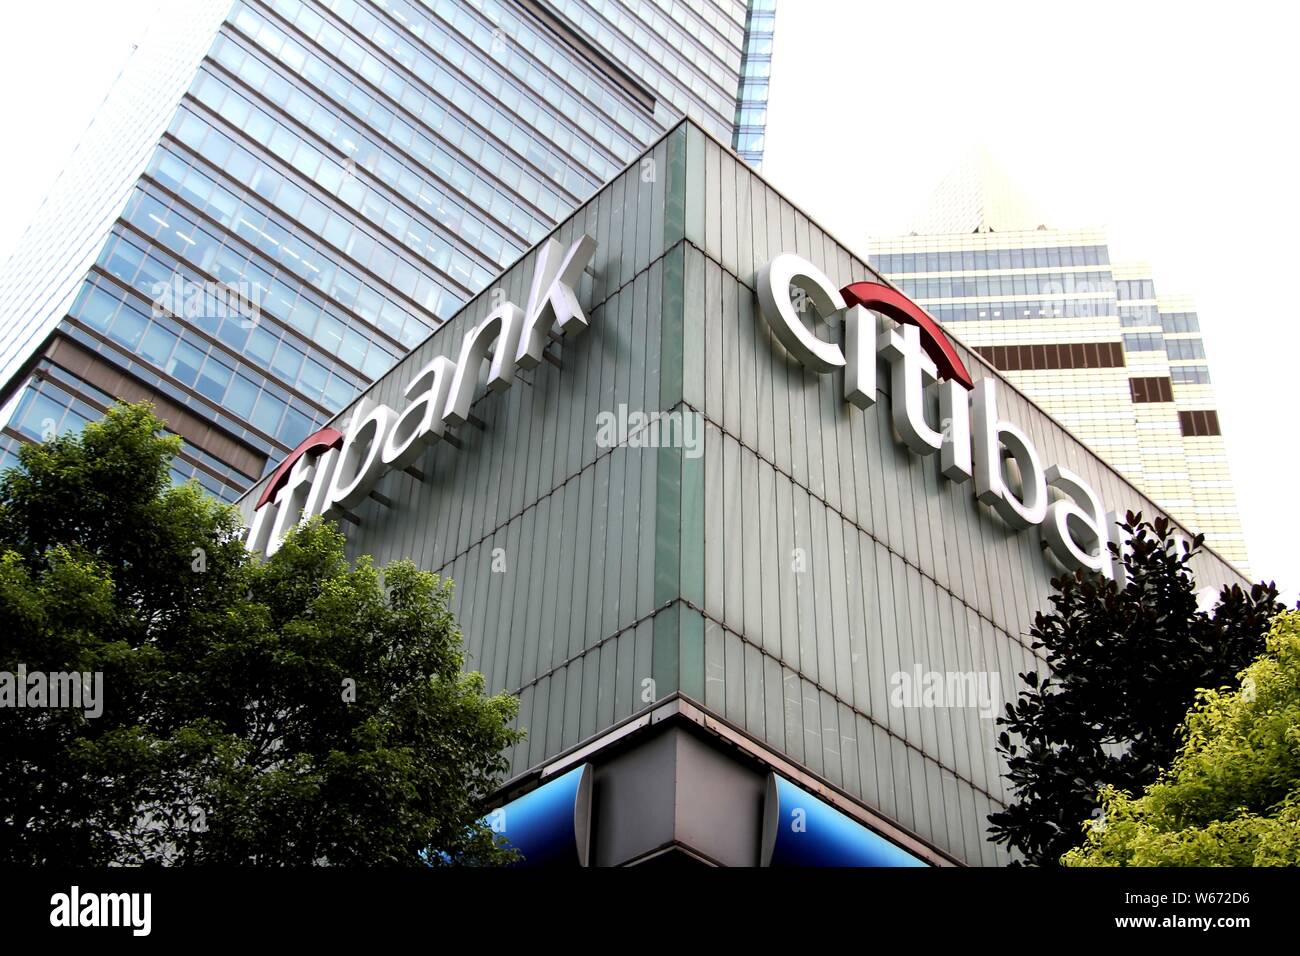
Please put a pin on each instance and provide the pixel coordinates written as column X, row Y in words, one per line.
column 1185, row 348
column 1014, row 358
column 1190, row 374
column 1199, row 423
column 267, row 413
column 157, row 345
column 1152, row 389
column 240, row 398
column 1144, row 342
column 128, row 327
column 1179, row 322
column 184, row 365
column 214, row 379
column 97, row 309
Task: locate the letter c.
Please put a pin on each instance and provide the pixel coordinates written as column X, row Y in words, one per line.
column 774, row 301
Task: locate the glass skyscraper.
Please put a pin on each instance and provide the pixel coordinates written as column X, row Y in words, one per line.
column 1088, row 339
column 755, row 75
column 280, row 198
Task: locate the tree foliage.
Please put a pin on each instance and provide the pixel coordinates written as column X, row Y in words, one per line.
column 291, row 711
column 1232, row 797
column 1124, row 666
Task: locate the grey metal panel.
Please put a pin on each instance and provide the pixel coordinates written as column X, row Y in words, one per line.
column 751, row 570
column 611, row 589
column 787, row 579
column 712, row 244
column 714, row 524
column 706, row 363
column 868, row 785
column 624, row 674
column 745, row 213
column 773, row 703
column 589, row 719
column 904, row 809
column 519, row 752
column 920, row 792
column 644, row 690
column 810, row 703
column 938, row 817
column 770, row 558
column 801, row 382
column 723, row 305
column 573, row 696
column 792, row 702
column 635, row 195
column 984, row 808
column 881, row 757
column 890, row 656
column 865, row 640
column 600, row 519
column 804, row 576
column 650, row 221
column 534, row 628
column 846, row 481
column 759, row 610
column 727, row 214
column 833, row 769
column 910, row 647
column 695, row 182
column 755, row 712
column 555, row 715
column 973, row 842
column 956, row 658
column 732, row 560
column 629, row 561
column 715, row 667
column 516, row 643
column 927, row 604
column 734, row 677
column 582, row 566
column 847, row 725
column 691, row 650
column 956, row 825
column 608, row 691
column 563, row 558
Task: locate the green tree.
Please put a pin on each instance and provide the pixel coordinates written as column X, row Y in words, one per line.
column 1232, row 797
column 289, row 711
column 1124, row 666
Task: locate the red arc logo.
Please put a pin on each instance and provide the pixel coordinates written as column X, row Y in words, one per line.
column 324, row 439
column 890, row 302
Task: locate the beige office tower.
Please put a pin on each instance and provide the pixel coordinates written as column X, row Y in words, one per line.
column 1088, row 340
column 1214, row 500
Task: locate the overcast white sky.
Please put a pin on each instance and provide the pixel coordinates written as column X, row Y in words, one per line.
column 1172, row 125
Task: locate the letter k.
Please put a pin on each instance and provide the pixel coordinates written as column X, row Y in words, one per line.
column 552, row 302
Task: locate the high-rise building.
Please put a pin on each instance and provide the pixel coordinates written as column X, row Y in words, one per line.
column 1087, row 339
column 755, row 75
column 280, row 198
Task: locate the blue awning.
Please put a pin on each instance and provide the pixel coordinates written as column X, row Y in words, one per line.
column 802, row 830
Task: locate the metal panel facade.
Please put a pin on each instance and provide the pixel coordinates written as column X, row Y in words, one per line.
column 781, row 577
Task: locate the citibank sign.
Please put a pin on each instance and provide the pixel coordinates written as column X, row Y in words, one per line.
column 971, row 438
column 332, row 472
